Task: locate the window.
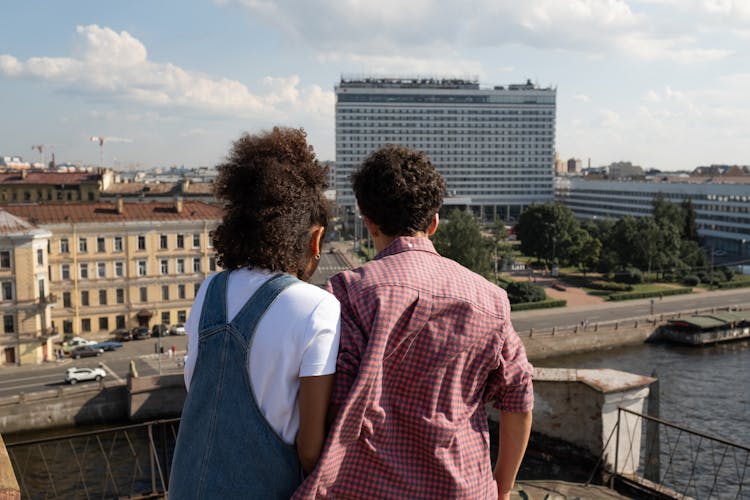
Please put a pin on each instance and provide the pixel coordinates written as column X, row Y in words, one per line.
column 164, row 266
column 119, row 268
column 141, row 268
column 120, row 295
column 86, row 325
column 82, row 245
column 104, row 323
column 5, row 259
column 7, row 290
column 117, row 244
column 165, row 292
column 212, row 264
column 67, row 326
column 102, row 297
column 42, row 291
column 84, row 268
column 180, row 241
column 66, row 299
column 64, row 246
column 166, row 318
column 100, row 244
column 181, row 316
column 181, row 291
column 196, row 287
column 120, row 321
column 143, row 293
column 163, row 241
column 180, row 266
column 101, row 270
column 196, row 240
column 141, row 242
column 196, row 264
column 65, row 271
column 40, row 256
column 9, row 323
column 84, row 297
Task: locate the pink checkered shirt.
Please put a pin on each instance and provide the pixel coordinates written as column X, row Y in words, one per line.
column 425, row 343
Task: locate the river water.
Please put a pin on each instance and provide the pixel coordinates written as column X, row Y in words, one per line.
column 703, row 388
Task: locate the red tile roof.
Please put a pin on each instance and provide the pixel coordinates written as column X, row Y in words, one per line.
column 9, row 223
column 57, row 213
column 56, row 178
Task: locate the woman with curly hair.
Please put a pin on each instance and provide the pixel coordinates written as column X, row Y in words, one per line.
column 262, row 343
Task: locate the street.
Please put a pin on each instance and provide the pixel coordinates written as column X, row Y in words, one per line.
column 32, row 378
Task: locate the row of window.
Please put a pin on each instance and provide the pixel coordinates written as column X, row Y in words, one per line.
column 104, row 295
column 104, row 324
column 117, row 243
column 99, row 269
column 49, row 195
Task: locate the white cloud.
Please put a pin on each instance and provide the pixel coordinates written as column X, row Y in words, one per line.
column 116, row 65
column 581, row 98
column 418, row 27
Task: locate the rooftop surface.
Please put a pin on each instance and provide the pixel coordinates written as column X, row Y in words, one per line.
column 50, row 213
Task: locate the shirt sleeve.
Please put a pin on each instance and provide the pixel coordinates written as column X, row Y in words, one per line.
column 323, row 330
column 192, row 326
column 352, row 345
column 510, row 386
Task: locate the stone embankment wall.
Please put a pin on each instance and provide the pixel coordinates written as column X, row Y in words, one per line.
column 551, row 343
column 141, row 398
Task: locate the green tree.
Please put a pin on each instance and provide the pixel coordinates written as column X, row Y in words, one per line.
column 460, row 238
column 548, row 232
column 520, row 292
column 690, row 227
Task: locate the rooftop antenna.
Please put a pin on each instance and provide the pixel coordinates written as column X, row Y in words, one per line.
column 101, row 140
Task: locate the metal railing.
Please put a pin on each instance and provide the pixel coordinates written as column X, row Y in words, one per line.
column 678, row 462
column 129, row 461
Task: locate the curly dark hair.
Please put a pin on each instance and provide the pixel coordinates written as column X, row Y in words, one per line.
column 272, row 188
column 399, row 190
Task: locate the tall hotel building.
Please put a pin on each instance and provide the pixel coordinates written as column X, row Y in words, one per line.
column 495, row 147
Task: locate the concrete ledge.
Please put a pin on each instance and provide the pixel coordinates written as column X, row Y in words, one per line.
column 9, row 489
column 593, row 338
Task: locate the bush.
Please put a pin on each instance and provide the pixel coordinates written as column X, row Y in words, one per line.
column 630, row 275
column 546, row 304
column 702, row 276
column 609, row 286
column 691, row 280
column 735, row 284
column 643, row 295
column 525, row 291
column 727, row 273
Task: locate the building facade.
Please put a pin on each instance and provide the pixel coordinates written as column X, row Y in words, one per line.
column 31, row 186
column 495, row 147
column 25, row 298
column 120, row 265
column 722, row 209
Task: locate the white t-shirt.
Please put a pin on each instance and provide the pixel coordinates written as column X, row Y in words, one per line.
column 297, row 337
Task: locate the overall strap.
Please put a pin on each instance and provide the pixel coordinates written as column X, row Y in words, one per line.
column 247, row 319
column 214, row 312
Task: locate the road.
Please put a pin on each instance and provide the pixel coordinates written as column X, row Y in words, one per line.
column 546, row 319
column 32, row 378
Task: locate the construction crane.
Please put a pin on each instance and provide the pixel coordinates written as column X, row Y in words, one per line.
column 101, row 140
column 40, row 148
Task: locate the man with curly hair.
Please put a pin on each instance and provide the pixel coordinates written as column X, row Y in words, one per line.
column 425, row 344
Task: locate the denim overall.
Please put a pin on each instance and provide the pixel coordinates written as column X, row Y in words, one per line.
column 225, row 447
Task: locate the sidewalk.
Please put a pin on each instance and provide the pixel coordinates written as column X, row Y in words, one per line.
column 574, row 296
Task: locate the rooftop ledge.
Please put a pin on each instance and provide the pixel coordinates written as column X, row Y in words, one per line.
column 604, row 380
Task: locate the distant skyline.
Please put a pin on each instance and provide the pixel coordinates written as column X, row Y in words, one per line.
column 660, row 83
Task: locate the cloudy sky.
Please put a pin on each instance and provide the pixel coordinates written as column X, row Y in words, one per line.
column 662, row 83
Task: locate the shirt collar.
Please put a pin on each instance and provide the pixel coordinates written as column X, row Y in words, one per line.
column 405, row 244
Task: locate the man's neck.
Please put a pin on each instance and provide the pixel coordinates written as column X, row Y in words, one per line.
column 382, row 241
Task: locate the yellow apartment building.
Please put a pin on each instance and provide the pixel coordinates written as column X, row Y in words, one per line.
column 32, row 186
column 120, row 265
column 25, row 298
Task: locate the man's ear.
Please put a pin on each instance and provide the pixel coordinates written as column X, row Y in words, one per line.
column 373, row 228
column 433, row 225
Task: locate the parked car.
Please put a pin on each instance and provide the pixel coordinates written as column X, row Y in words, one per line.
column 86, row 351
column 123, row 334
column 177, row 329
column 76, row 342
column 159, row 330
column 75, row 375
column 140, row 333
column 109, row 345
